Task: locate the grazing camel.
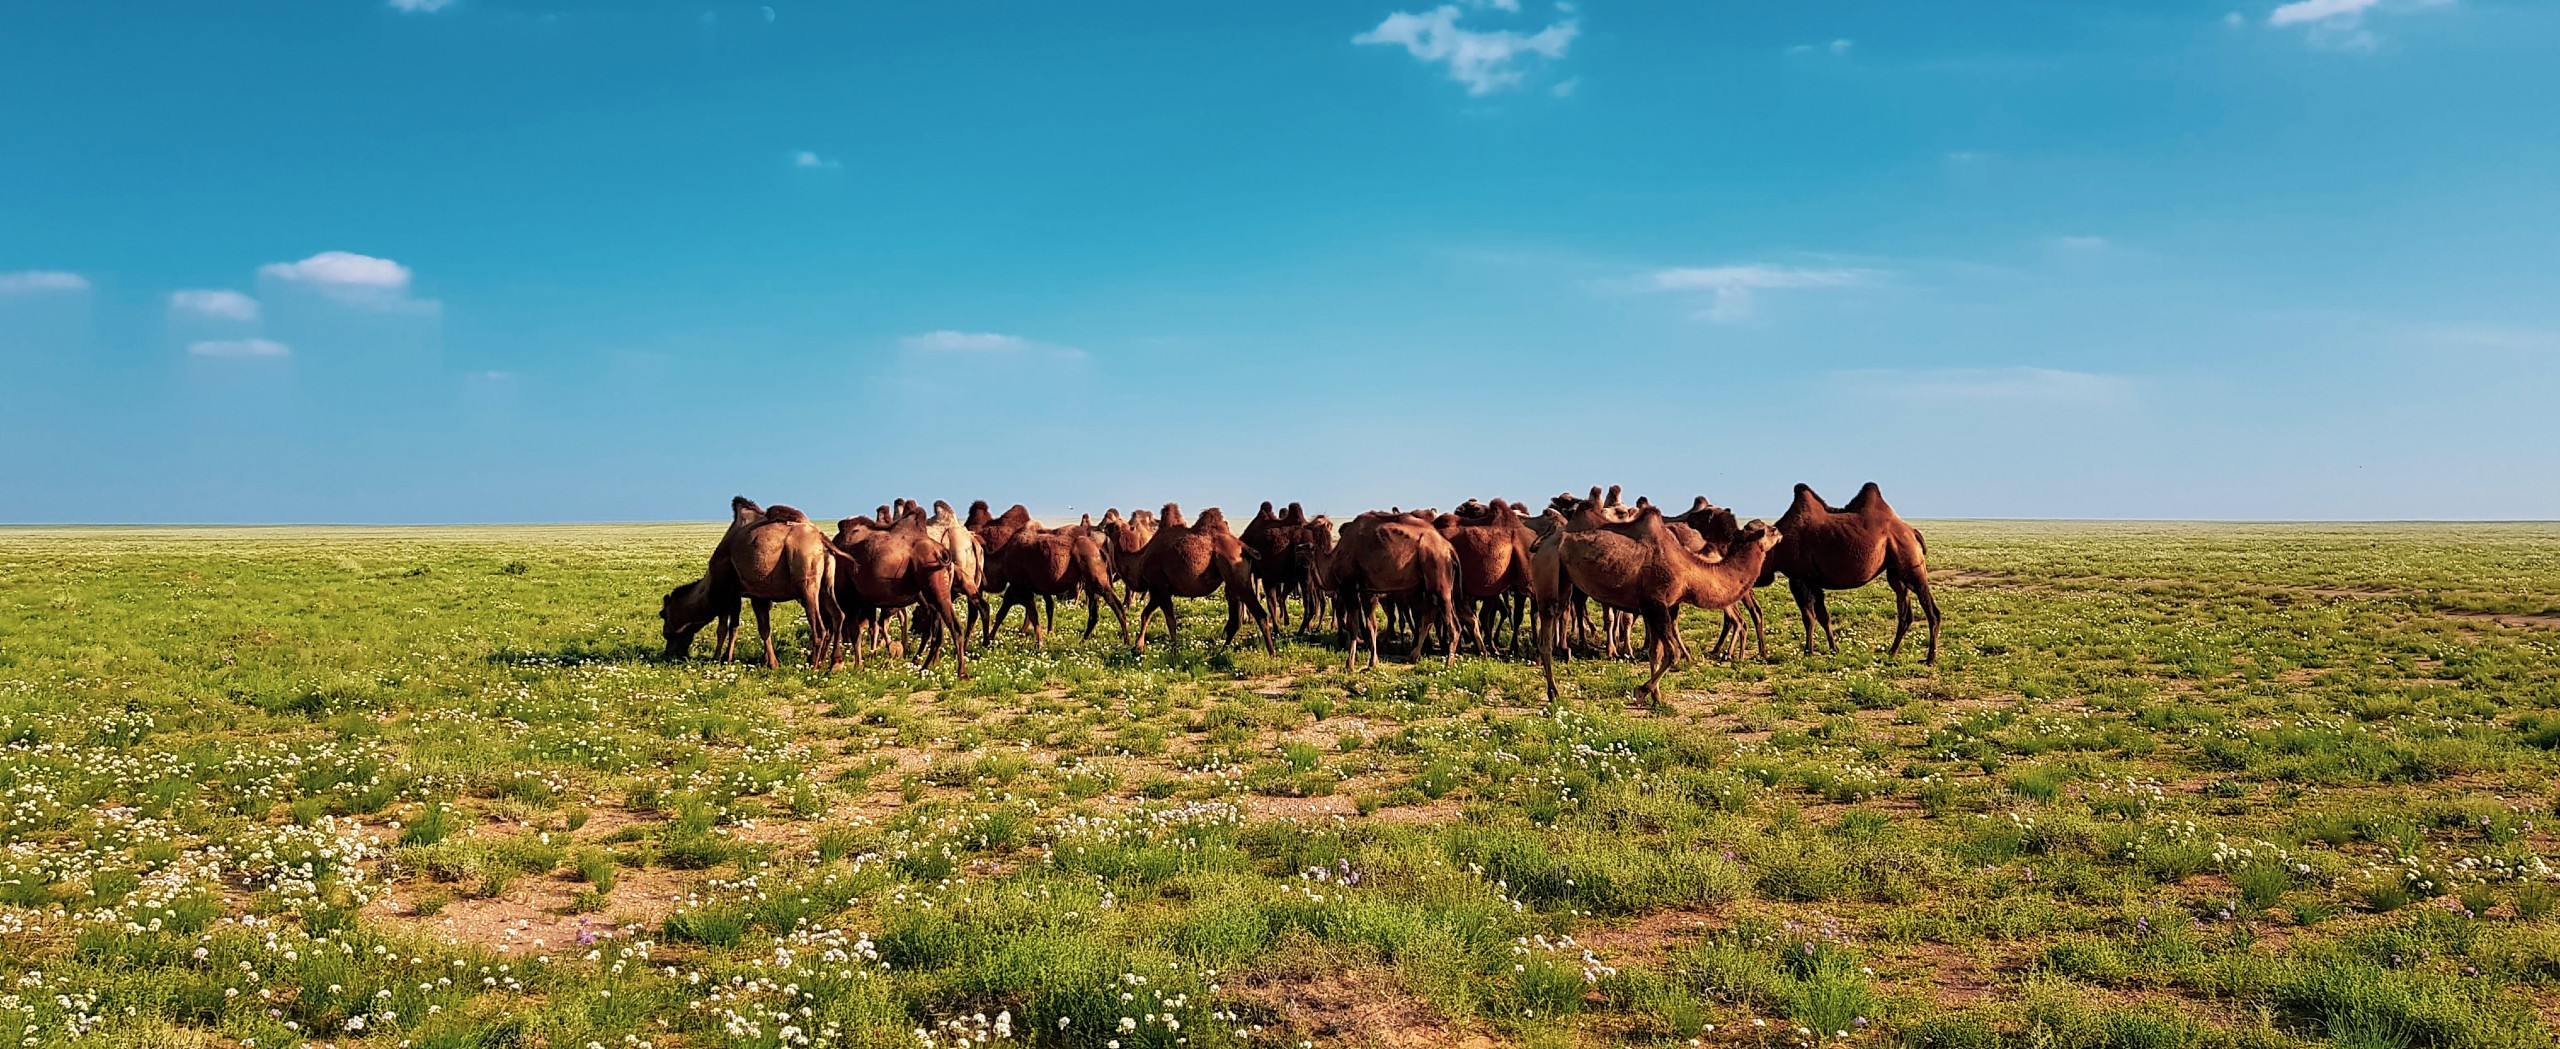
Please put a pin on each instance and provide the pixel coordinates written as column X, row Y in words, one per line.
column 1847, row 548
column 879, row 570
column 1042, row 565
column 767, row 555
column 1649, row 570
column 1195, row 560
column 1492, row 543
column 1399, row 557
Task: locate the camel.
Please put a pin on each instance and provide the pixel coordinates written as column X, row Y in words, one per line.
column 1648, row 570
column 1492, row 543
column 968, row 557
column 883, row 569
column 1847, row 548
column 993, row 534
column 1713, row 528
column 1041, row 565
column 767, row 555
column 1281, row 543
column 1122, row 541
column 1398, row 556
column 1195, row 560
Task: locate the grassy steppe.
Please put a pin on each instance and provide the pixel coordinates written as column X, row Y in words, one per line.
column 2170, row 785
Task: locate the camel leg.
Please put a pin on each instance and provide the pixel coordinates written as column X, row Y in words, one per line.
column 1929, row 610
column 1751, row 604
column 1822, row 611
column 1049, row 614
column 1145, row 612
column 1172, row 632
column 1658, row 651
column 1550, row 631
column 1901, row 614
column 1119, row 613
column 764, row 629
column 1449, row 625
column 1804, row 609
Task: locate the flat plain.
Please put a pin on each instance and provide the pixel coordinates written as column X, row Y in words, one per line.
column 2168, row 785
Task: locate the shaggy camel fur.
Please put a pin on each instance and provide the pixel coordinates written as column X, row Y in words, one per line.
column 1042, row 565
column 1647, row 569
column 1196, row 560
column 1847, row 548
column 879, row 570
column 767, row 555
column 1395, row 556
column 1492, row 544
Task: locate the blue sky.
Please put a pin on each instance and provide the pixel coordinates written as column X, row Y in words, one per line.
column 492, row 260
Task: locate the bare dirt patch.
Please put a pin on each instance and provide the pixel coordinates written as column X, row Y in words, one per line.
column 1650, row 936
column 1360, row 1007
column 533, row 917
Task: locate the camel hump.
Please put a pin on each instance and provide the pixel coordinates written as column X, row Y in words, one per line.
column 784, row 515
column 1212, row 518
column 1267, row 510
column 1171, row 517
column 1868, row 496
column 739, row 504
column 1699, row 504
column 1295, row 514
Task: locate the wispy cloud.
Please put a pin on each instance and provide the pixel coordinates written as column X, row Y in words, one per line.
column 42, row 282
column 1984, row 386
column 1485, row 60
column 348, row 277
column 239, row 349
column 982, row 343
column 214, row 304
column 420, row 7
column 1839, row 46
column 1733, row 289
column 2339, row 25
column 807, row 159
column 2080, row 243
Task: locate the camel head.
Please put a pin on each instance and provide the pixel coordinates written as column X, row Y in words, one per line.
column 682, row 614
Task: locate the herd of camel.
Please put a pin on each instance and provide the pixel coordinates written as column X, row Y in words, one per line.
column 1458, row 578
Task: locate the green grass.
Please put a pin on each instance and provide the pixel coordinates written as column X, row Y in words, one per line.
column 2169, row 785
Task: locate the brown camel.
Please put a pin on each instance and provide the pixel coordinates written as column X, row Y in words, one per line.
column 1042, row 565
column 879, row 570
column 1492, row 544
column 994, row 534
column 1195, row 560
column 1282, row 543
column 767, row 555
column 1648, row 570
column 1123, row 540
column 968, row 557
column 1399, row 557
column 1712, row 529
column 1847, row 548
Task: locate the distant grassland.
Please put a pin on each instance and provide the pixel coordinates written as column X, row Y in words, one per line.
column 2171, row 784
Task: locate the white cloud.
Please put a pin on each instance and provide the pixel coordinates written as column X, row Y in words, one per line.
column 1982, row 386
column 240, row 349
column 214, row 304
column 421, row 7
column 985, row 343
column 2081, row 243
column 361, row 280
column 1734, row 287
column 2301, row 11
column 344, row 268
column 2339, row 25
column 807, row 159
column 41, row 282
column 1484, row 60
column 1566, row 87
column 1840, row 46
